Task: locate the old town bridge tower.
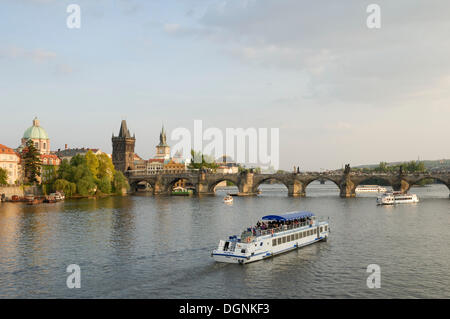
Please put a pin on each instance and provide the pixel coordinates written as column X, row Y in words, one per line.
column 123, row 149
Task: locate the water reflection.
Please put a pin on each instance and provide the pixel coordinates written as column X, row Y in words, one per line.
column 159, row 247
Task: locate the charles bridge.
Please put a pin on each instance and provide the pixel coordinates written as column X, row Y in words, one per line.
column 248, row 182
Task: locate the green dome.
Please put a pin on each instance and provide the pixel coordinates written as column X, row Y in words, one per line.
column 35, row 131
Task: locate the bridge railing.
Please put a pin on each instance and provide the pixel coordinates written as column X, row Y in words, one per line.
column 262, row 232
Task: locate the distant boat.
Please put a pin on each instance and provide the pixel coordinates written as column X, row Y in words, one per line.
column 391, row 198
column 181, row 191
column 228, row 199
column 370, row 189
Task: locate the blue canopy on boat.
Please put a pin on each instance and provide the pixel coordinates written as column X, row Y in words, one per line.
column 289, row 216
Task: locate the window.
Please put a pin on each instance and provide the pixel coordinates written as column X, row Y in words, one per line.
column 36, row 145
column 326, row 228
column 279, row 241
column 274, row 242
column 243, row 251
column 321, row 229
column 296, row 236
column 284, row 239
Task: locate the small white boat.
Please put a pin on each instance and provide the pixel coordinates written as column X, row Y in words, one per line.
column 228, row 199
column 275, row 234
column 391, row 198
column 370, row 189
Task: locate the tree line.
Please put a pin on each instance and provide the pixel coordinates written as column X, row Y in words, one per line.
column 85, row 175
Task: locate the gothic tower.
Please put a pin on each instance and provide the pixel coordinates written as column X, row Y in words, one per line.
column 162, row 149
column 123, row 149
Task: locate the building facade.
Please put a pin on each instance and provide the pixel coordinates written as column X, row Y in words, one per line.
column 10, row 161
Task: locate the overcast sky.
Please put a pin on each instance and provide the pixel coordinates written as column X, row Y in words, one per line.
column 338, row 91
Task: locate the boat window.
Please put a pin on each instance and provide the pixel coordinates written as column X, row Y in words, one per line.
column 289, row 238
column 296, row 236
column 284, row 239
column 279, row 241
column 243, row 251
column 274, row 242
column 321, row 229
column 326, row 227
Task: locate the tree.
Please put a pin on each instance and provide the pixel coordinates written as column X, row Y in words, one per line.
column 206, row 161
column 92, row 163
column 66, row 187
column 120, row 182
column 105, row 167
column 32, row 162
column 3, row 176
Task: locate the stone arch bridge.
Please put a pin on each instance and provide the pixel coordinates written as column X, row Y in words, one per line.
column 296, row 183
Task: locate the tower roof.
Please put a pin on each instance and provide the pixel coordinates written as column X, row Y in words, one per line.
column 162, row 138
column 35, row 131
column 124, row 131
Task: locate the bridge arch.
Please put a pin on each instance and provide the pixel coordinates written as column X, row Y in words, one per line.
column 318, row 178
column 360, row 181
column 134, row 184
column 435, row 178
column 275, row 178
column 212, row 185
column 169, row 184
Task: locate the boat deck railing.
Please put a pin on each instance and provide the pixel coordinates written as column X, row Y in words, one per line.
column 259, row 232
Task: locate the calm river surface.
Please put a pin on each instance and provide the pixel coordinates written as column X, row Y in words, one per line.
column 159, row 247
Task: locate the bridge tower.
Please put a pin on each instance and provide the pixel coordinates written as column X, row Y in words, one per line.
column 123, row 149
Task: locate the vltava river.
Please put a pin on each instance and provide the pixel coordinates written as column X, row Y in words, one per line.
column 159, row 247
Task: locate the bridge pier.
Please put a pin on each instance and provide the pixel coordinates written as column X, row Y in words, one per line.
column 401, row 186
column 247, row 186
column 296, row 189
column 347, row 188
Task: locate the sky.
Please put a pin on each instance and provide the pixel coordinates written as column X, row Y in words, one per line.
column 338, row 91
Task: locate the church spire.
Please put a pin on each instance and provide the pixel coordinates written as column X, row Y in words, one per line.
column 162, row 137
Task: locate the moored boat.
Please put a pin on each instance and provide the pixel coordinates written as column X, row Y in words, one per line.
column 273, row 235
column 180, row 191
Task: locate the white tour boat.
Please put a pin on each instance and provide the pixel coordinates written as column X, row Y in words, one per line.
column 274, row 235
column 391, row 198
column 370, row 189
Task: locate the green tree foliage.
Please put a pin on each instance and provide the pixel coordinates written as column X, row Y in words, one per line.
column 104, row 185
column 32, row 162
column 92, row 163
column 105, row 167
column 3, row 176
column 206, row 161
column 89, row 174
column 65, row 186
column 120, row 182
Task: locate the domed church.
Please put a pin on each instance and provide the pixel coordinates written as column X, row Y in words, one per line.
column 38, row 135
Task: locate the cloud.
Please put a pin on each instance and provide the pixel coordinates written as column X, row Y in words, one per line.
column 330, row 43
column 36, row 55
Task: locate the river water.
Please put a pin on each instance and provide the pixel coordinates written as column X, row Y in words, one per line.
column 159, row 247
